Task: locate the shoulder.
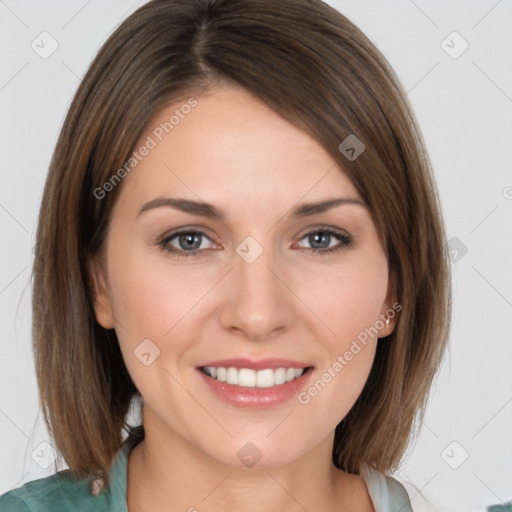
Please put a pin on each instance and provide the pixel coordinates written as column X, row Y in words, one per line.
column 55, row 493
column 386, row 492
column 62, row 492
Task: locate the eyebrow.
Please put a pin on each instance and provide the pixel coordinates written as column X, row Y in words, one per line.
column 209, row 210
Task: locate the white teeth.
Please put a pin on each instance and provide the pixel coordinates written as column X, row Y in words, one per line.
column 221, row 374
column 265, row 379
column 280, row 376
column 232, row 376
column 246, row 377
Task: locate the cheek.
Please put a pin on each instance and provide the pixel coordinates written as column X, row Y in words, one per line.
column 152, row 299
column 153, row 302
column 352, row 300
column 351, row 308
column 349, row 299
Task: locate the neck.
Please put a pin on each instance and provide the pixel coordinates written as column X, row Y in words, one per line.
column 166, row 472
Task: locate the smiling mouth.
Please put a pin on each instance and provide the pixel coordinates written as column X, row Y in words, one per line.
column 249, row 378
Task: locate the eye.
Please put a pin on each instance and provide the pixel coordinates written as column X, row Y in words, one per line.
column 320, row 239
column 189, row 242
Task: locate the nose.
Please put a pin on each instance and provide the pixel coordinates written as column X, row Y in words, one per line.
column 257, row 300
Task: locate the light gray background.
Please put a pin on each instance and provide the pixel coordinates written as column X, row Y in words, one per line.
column 464, row 107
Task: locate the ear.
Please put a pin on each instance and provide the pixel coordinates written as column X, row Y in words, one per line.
column 101, row 299
column 390, row 308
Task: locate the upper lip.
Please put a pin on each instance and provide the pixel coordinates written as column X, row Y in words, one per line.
column 259, row 364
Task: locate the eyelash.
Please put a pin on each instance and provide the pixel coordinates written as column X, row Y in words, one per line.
column 345, row 241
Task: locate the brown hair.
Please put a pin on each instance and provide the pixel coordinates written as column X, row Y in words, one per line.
column 315, row 68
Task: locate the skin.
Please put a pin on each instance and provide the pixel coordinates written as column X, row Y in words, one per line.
column 233, row 151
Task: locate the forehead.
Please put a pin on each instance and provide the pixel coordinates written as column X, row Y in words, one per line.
column 231, row 148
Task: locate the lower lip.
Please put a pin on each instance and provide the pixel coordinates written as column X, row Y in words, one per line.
column 256, row 398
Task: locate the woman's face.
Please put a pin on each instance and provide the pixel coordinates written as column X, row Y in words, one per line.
column 268, row 285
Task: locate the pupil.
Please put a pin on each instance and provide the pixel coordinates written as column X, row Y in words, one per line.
column 317, row 236
column 188, row 240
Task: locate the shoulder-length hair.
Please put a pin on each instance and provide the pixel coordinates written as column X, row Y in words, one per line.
column 316, row 69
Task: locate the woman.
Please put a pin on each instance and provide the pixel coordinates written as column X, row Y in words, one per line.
column 240, row 228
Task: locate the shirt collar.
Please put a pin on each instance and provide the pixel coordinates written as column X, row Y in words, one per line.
column 118, row 477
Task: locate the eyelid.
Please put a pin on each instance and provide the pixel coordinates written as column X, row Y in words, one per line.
column 324, row 227
column 187, row 229
column 201, row 230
